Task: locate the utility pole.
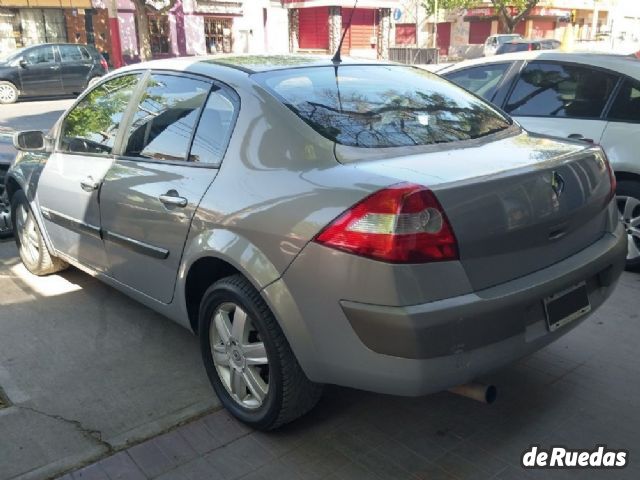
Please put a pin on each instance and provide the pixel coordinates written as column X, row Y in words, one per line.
column 114, row 33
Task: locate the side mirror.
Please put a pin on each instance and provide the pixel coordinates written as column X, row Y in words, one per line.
column 23, row 63
column 29, row 141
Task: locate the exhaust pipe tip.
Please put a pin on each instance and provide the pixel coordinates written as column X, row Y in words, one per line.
column 477, row 391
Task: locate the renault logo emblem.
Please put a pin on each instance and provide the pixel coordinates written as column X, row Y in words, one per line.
column 557, row 183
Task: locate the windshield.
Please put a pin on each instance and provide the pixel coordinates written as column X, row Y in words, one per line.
column 378, row 106
column 10, row 55
column 508, row 38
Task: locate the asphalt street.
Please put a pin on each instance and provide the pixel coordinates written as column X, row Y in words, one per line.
column 93, row 378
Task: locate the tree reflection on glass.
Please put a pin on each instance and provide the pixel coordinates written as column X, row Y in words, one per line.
column 92, row 125
column 383, row 106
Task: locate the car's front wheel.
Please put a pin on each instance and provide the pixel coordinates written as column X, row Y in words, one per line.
column 31, row 245
column 248, row 359
column 628, row 198
column 8, row 92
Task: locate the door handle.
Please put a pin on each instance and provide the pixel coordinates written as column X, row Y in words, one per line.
column 89, row 184
column 579, row 136
column 55, row 67
column 172, row 199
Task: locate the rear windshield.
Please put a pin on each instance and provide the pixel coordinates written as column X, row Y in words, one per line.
column 378, row 106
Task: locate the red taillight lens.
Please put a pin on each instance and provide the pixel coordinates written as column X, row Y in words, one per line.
column 403, row 223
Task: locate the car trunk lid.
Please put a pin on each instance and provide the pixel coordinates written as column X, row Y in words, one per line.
column 516, row 205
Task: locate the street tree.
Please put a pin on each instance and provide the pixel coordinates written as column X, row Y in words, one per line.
column 142, row 8
column 510, row 12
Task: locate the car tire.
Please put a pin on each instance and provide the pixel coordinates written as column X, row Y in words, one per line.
column 249, row 323
column 628, row 199
column 6, row 229
column 31, row 245
column 8, row 93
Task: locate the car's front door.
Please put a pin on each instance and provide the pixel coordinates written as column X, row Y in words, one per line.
column 162, row 172
column 69, row 187
column 40, row 72
column 75, row 65
column 561, row 99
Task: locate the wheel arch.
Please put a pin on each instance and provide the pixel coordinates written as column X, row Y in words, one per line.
column 215, row 254
column 628, row 176
column 203, row 273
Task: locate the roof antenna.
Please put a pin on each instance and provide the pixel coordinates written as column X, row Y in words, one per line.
column 336, row 56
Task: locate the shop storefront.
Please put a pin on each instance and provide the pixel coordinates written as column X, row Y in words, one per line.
column 317, row 25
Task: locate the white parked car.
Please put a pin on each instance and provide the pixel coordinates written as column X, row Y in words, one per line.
column 494, row 42
column 585, row 96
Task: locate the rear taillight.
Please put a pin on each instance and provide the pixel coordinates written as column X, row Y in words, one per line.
column 104, row 64
column 403, row 223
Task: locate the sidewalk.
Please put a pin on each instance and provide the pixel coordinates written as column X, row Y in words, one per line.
column 581, row 391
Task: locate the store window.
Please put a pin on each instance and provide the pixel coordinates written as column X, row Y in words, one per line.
column 159, row 34
column 10, row 32
column 42, row 26
column 217, row 33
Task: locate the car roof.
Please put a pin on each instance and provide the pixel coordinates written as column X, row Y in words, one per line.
column 618, row 63
column 250, row 63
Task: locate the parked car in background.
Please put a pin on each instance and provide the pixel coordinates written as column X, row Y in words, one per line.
column 494, row 42
column 362, row 224
column 587, row 96
column 49, row 69
column 550, row 44
column 528, row 46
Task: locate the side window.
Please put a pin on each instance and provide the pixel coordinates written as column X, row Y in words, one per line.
column 40, row 55
column 70, row 53
column 163, row 124
column 85, row 53
column 558, row 90
column 91, row 126
column 482, row 80
column 626, row 106
column 214, row 129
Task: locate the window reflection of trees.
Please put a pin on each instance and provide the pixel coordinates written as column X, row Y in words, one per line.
column 92, row 125
column 397, row 118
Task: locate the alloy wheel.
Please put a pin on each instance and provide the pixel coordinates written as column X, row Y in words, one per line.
column 629, row 208
column 27, row 233
column 7, row 94
column 239, row 355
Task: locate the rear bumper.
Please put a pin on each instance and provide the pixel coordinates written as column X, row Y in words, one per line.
column 486, row 317
column 419, row 349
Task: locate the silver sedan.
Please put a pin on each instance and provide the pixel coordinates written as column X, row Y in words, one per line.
column 361, row 224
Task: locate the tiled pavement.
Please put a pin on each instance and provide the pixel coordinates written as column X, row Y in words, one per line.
column 581, row 391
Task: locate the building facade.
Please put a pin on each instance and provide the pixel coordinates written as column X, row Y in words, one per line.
column 29, row 22
column 459, row 33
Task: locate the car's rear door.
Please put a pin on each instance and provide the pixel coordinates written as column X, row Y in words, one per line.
column 562, row 99
column 68, row 189
column 75, row 65
column 169, row 157
column 40, row 72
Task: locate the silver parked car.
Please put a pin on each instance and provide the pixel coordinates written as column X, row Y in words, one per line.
column 368, row 225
